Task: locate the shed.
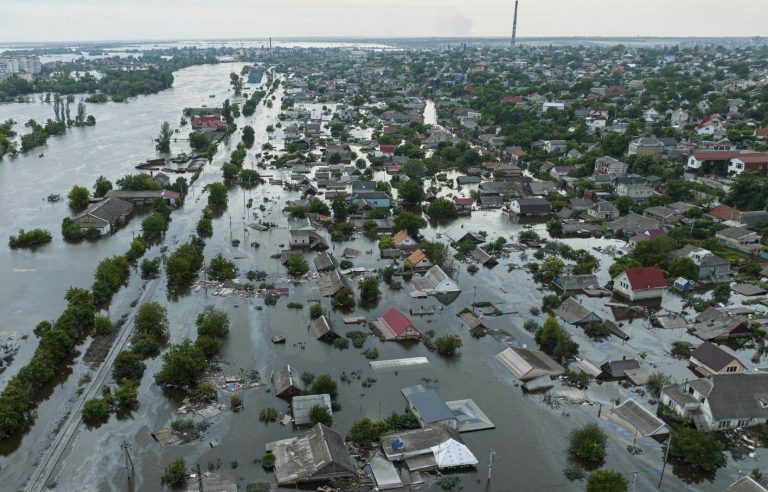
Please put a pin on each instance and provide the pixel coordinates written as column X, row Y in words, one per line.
column 384, row 473
column 481, row 256
column 302, row 405
column 568, row 283
column 640, row 418
column 617, row 368
column 331, row 282
column 528, row 364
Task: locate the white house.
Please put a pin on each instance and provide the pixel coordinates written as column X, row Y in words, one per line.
column 641, row 283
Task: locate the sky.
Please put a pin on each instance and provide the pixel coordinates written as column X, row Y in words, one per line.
column 99, row 20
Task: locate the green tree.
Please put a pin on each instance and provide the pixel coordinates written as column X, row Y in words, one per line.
column 606, row 481
column 684, row 267
column 369, row 290
column 236, row 82
column 721, row 294
column 248, row 136
column 163, row 140
column 414, row 169
column 554, row 340
column 175, row 473
column 101, row 187
column 363, row 432
column 411, row 193
column 126, row 395
column 442, row 209
column 623, row 204
column 95, row 412
column 588, row 443
column 324, row 384
column 154, row 226
column 318, row 414
column 409, row 222
column 212, row 322
column 78, row 198
column 151, row 321
column 447, row 345
column 297, row 265
column 183, row 365
column 128, row 365
column 221, row 269
column 339, row 207
column 700, row 450
column 343, row 300
column 217, row 194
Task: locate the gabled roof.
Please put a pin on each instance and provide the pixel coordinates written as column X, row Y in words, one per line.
column 417, row 256
column 643, row 278
column 713, row 356
column 401, row 237
column 319, row 454
column 724, row 212
column 395, row 324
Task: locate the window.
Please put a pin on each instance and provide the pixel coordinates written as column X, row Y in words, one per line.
column 743, row 423
column 724, row 424
column 731, row 369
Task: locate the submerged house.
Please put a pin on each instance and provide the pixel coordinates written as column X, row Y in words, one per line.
column 637, row 284
column 428, row 407
column 104, row 216
column 436, row 282
column 721, row 401
column 527, row 365
column 708, row 359
column 302, row 405
column 714, row 324
column 396, row 326
column 318, row 455
column 322, row 329
column 285, row 383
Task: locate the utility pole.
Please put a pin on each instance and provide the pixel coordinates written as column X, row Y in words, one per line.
column 666, row 455
column 128, row 462
column 199, row 479
column 491, row 455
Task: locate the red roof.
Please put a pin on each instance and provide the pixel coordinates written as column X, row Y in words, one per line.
column 724, row 212
column 387, row 148
column 644, row 278
column 462, row 201
column 396, row 325
column 715, row 155
column 753, row 158
column 512, row 100
column 761, row 132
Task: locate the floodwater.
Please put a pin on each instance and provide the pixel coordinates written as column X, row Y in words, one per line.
column 529, row 440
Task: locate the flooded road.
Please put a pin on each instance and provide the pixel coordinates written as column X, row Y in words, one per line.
column 529, row 439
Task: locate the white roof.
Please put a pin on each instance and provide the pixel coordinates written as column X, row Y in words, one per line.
column 451, row 454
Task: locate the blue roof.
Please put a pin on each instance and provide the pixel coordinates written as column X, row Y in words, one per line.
column 430, row 407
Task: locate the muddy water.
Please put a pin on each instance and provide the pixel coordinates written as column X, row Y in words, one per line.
column 529, row 439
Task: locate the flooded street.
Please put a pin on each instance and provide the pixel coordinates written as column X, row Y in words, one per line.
column 530, row 438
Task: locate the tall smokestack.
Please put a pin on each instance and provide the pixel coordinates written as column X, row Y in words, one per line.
column 514, row 27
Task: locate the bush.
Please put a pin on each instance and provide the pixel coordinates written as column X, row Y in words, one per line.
column 554, row 340
column 448, row 345
column 588, row 443
column 318, row 414
column 30, row 239
column 656, row 381
column 268, row 414
column 357, row 338
column 607, row 481
column 597, row 330
column 174, row 475
column 205, row 393
column 268, row 461
column 315, row 310
column 70, row 230
column 371, row 353
column 343, row 300
column 681, row 350
column 95, row 412
column 102, row 325
column 235, row 403
column 340, row 343
column 574, row 472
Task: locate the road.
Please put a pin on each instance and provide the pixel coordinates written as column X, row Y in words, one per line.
column 39, row 480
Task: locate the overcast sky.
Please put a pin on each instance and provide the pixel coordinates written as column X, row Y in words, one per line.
column 66, row 20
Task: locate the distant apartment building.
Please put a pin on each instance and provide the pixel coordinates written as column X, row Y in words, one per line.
column 15, row 65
